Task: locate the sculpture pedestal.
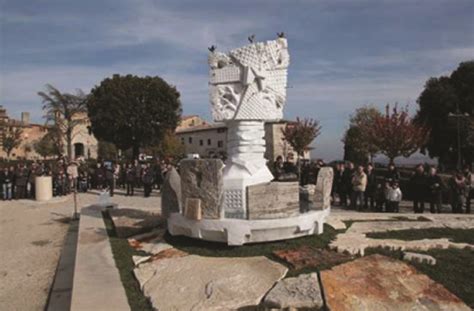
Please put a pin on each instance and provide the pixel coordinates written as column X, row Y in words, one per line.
column 245, row 166
column 43, row 188
column 241, row 231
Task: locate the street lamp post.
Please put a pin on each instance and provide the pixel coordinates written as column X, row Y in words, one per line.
column 458, row 115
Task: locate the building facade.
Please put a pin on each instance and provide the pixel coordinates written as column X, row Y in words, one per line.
column 84, row 144
column 210, row 140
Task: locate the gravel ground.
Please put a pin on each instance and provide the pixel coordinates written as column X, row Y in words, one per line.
column 31, row 238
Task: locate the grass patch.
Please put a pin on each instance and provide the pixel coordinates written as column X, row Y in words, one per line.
column 123, row 259
column 214, row 249
column 454, row 269
column 455, row 235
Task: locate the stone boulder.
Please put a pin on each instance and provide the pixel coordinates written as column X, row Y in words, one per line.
column 128, row 221
column 208, row 283
column 202, row 179
column 171, row 193
column 299, row 292
column 377, row 282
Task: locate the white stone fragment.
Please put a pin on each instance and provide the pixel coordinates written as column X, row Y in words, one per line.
column 421, row 258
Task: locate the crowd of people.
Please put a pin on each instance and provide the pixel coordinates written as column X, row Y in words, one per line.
column 18, row 181
column 355, row 187
column 359, row 187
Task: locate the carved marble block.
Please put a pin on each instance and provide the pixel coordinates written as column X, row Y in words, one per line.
column 249, row 83
column 273, row 200
column 202, row 179
column 171, row 194
column 192, row 209
column 322, row 192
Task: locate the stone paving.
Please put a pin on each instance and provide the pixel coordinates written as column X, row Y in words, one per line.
column 32, row 235
column 381, row 283
column 354, row 240
column 208, row 283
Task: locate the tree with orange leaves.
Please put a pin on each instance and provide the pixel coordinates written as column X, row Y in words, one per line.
column 300, row 135
column 395, row 133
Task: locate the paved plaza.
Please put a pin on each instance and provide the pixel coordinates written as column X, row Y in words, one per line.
column 32, row 237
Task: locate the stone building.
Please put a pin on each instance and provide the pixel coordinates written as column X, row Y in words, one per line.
column 190, row 121
column 31, row 132
column 209, row 140
column 84, row 144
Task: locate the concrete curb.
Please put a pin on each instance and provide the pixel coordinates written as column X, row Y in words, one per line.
column 97, row 284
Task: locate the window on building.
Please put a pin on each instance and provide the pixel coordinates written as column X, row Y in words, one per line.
column 221, row 130
column 190, row 140
column 182, row 140
column 220, row 143
column 201, row 142
column 208, row 142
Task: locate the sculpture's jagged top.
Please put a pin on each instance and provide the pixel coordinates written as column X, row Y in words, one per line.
column 249, row 83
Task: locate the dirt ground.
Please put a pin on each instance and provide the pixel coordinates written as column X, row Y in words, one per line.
column 31, row 238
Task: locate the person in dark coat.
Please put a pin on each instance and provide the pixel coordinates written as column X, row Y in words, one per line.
column 6, row 179
column 369, row 195
column 21, row 181
column 337, row 181
column 392, row 173
column 435, row 187
column 347, row 183
column 130, row 176
column 148, row 178
column 307, row 176
column 458, row 187
column 110, row 177
column 278, row 169
column 32, row 173
column 418, row 187
column 470, row 188
column 99, row 176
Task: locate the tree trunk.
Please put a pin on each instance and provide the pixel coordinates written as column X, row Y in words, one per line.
column 69, row 144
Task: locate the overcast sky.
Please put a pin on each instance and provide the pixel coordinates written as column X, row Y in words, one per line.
column 344, row 54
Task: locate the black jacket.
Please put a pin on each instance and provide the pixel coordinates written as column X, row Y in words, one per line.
column 6, row 178
column 435, row 184
column 371, row 183
column 419, row 185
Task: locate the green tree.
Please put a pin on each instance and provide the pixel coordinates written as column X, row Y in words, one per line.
column 11, row 140
column 46, row 146
column 352, row 140
column 170, row 147
column 106, row 150
column 65, row 112
column 441, row 98
column 133, row 112
column 358, row 146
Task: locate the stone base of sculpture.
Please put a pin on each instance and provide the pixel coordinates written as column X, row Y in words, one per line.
column 245, row 165
column 244, row 231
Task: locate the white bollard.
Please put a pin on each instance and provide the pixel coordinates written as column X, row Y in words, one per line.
column 43, row 188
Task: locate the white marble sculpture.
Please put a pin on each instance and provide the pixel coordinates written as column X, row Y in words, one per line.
column 247, row 88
